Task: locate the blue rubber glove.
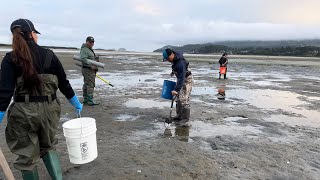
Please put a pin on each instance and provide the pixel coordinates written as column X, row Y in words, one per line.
column 76, row 104
column 2, row 115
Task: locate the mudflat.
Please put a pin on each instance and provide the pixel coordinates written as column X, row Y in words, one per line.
column 266, row 128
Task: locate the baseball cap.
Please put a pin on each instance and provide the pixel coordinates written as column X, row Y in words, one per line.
column 90, row 39
column 166, row 53
column 25, row 25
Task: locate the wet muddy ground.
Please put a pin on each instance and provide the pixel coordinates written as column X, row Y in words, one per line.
column 266, row 128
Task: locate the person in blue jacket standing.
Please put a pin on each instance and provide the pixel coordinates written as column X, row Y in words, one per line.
column 180, row 68
column 32, row 75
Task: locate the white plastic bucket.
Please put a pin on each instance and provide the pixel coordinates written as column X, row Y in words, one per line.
column 81, row 139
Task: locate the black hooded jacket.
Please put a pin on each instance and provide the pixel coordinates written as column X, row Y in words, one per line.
column 11, row 71
column 180, row 68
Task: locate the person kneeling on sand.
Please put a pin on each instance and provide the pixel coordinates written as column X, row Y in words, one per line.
column 180, row 68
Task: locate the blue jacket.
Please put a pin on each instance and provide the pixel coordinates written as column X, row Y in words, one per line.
column 180, row 69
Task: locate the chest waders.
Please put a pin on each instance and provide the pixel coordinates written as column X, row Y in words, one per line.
column 33, row 120
column 183, row 100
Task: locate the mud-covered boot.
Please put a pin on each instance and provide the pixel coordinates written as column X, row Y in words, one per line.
column 52, row 162
column 30, row 175
column 91, row 102
column 178, row 112
column 185, row 117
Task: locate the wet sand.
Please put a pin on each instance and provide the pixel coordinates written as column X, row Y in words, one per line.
column 266, row 128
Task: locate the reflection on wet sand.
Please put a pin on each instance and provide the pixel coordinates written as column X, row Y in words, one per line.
column 181, row 133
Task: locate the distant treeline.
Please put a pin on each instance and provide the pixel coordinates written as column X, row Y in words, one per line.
column 291, row 50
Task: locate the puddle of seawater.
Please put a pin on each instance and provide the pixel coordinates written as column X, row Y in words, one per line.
column 265, row 83
column 202, row 129
column 124, row 80
column 204, row 90
column 267, row 98
column 126, row 117
column 146, row 103
column 234, row 118
column 308, row 77
column 197, row 129
column 284, row 100
column 310, row 118
column 313, row 98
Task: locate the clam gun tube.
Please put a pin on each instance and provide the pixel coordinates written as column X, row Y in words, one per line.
column 95, row 63
column 104, row 80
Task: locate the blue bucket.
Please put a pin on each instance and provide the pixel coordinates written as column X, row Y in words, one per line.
column 168, row 86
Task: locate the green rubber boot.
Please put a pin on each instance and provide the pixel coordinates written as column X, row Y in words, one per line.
column 52, row 162
column 30, row 175
column 91, row 102
column 85, row 99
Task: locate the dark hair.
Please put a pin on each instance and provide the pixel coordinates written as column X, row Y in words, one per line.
column 22, row 56
column 169, row 51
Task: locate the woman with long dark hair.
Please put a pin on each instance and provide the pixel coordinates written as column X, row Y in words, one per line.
column 32, row 75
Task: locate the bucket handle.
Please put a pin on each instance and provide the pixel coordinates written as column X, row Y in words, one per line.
column 79, row 116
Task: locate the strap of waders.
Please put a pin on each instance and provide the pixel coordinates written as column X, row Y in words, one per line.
column 49, row 98
column 28, row 98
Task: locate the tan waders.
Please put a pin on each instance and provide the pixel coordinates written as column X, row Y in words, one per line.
column 33, row 120
column 89, row 77
column 183, row 102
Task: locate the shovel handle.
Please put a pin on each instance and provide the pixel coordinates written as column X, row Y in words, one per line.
column 5, row 167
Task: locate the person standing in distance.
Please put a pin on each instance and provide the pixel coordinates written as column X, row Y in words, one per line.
column 32, row 75
column 180, row 68
column 223, row 63
column 88, row 71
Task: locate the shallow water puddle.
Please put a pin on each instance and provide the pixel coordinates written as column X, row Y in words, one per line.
column 204, row 90
column 234, row 118
column 267, row 98
column 283, row 100
column 198, row 129
column 202, row 129
column 146, row 103
column 310, row 118
column 126, row 117
column 265, row 83
column 126, row 79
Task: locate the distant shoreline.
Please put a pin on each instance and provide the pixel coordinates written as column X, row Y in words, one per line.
column 210, row 58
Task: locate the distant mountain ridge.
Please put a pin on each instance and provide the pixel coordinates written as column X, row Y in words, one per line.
column 273, row 48
column 270, row 44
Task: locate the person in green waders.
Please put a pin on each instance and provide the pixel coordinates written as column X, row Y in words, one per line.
column 88, row 71
column 32, row 75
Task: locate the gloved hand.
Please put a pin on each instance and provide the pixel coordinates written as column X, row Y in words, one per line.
column 76, row 104
column 2, row 115
column 174, row 93
column 94, row 68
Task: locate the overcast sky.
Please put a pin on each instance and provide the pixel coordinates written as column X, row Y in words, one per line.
column 145, row 25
